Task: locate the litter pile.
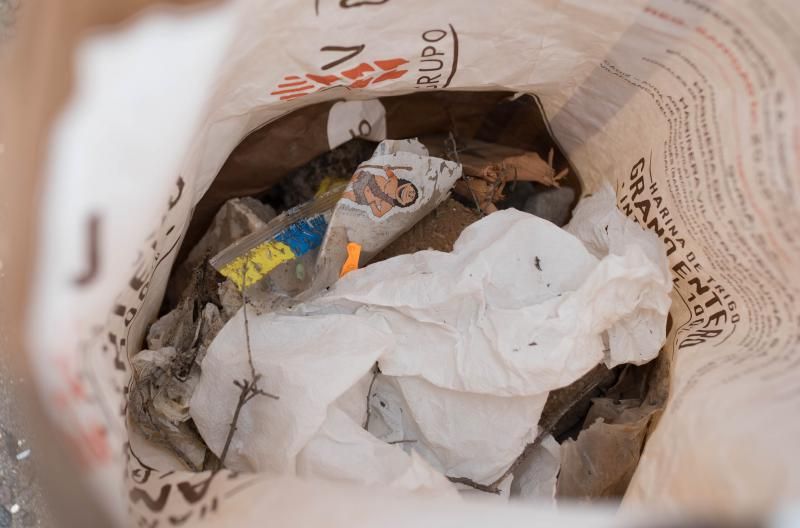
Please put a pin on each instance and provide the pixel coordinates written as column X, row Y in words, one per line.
column 484, row 349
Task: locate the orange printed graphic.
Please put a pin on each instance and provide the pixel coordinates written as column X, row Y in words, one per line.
column 359, row 76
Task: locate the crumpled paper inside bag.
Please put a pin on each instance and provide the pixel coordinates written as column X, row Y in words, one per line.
column 468, row 343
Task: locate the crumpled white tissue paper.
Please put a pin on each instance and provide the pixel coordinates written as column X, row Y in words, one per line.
column 469, row 344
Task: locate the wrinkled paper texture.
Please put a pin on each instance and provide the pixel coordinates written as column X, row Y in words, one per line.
column 469, row 344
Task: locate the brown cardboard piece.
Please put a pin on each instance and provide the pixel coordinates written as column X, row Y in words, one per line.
column 600, row 462
column 489, row 167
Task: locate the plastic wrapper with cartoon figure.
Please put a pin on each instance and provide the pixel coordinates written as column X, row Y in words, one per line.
column 387, row 195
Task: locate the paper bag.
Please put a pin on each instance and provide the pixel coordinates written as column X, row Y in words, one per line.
column 689, row 110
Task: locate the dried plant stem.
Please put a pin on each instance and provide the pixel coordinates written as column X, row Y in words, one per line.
column 453, row 154
column 472, row 484
column 375, row 372
column 253, row 374
column 393, row 167
column 248, row 389
column 229, row 438
column 472, row 193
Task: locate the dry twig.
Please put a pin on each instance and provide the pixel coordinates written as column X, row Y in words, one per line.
column 472, row 484
column 375, row 371
column 248, row 388
column 452, row 153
